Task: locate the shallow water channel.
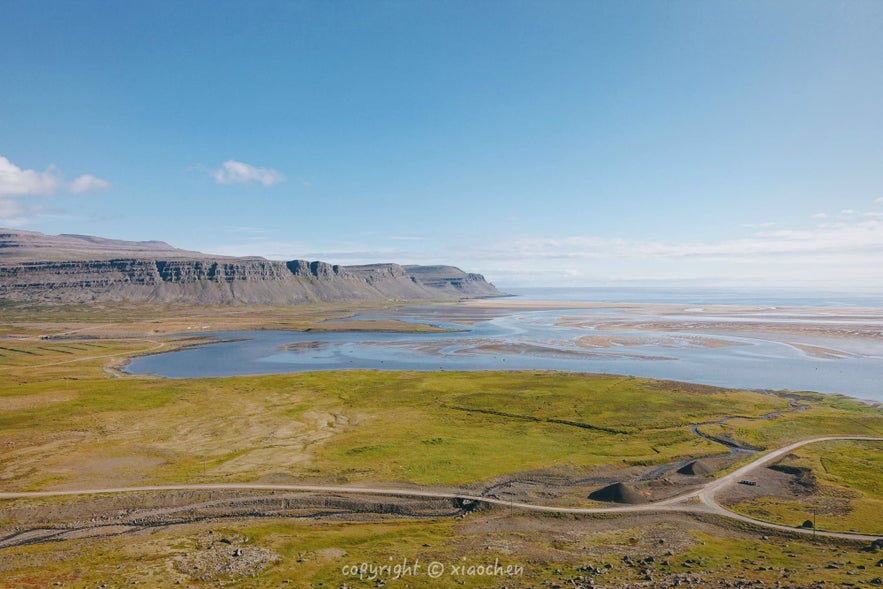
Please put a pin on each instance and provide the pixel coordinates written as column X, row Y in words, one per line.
column 546, row 340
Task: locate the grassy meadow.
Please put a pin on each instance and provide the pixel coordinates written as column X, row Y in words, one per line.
column 848, row 497
column 425, row 428
column 563, row 551
column 68, row 420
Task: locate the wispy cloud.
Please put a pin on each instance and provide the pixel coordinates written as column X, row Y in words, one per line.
column 12, row 213
column 405, row 238
column 334, row 252
column 861, row 236
column 829, row 255
column 87, row 183
column 10, row 209
column 233, row 172
column 236, row 229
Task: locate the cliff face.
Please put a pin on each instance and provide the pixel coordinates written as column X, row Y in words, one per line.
column 82, row 269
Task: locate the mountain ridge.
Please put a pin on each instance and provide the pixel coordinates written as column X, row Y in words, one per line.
column 80, row 268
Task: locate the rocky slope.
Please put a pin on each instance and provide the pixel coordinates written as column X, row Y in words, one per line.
column 76, row 268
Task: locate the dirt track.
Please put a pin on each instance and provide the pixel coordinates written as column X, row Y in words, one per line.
column 696, row 501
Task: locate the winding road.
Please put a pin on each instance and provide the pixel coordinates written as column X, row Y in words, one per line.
column 696, row 501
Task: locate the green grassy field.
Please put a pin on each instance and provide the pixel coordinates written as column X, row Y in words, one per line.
column 142, row 319
column 547, row 550
column 67, row 421
column 428, row 428
column 823, row 414
column 849, row 496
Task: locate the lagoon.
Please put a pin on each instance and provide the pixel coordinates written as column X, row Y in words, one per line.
column 822, row 349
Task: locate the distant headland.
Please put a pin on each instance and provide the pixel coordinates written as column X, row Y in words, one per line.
column 82, row 269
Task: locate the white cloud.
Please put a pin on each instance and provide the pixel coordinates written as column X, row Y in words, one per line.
column 829, row 256
column 879, row 201
column 847, row 212
column 233, row 172
column 820, row 216
column 18, row 185
column 87, row 182
column 17, row 182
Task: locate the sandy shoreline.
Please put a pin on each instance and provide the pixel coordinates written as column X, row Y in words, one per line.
column 819, row 332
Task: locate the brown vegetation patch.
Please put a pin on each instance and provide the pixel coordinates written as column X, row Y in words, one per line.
column 36, row 401
column 224, row 556
column 296, row 346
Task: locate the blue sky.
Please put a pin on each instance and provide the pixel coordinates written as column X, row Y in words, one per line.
column 540, row 143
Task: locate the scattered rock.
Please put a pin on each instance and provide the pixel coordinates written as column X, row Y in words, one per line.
column 211, row 561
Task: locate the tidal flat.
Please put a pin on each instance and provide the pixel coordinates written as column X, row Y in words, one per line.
column 822, row 349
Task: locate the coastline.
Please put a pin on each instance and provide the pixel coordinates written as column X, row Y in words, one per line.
column 785, row 347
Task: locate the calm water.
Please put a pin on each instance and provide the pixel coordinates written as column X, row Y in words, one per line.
column 537, row 340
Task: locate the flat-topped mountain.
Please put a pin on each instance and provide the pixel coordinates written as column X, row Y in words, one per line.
column 80, row 268
column 30, row 246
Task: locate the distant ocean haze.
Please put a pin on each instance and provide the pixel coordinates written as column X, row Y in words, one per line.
column 694, row 296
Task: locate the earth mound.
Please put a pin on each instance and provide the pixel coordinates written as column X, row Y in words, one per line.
column 695, row 468
column 619, row 493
